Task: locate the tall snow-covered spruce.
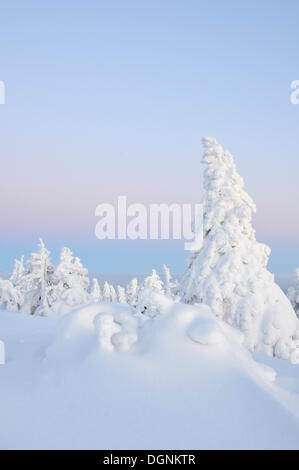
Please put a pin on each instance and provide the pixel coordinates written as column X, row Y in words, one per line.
column 229, row 273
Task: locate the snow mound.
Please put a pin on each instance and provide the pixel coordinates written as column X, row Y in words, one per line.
column 206, row 332
column 113, row 335
column 104, row 377
column 102, row 326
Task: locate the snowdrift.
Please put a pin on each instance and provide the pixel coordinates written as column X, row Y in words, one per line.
column 104, row 376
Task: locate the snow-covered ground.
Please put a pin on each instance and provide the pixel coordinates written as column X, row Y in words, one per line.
column 104, row 377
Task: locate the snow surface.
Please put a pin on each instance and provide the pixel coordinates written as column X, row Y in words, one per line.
column 106, row 377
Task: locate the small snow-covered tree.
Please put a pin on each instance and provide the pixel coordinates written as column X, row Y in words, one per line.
column 149, row 295
column 229, row 271
column 18, row 272
column 293, row 293
column 109, row 293
column 131, row 292
column 38, row 281
column 170, row 286
column 154, row 282
column 73, row 281
column 10, row 297
column 106, row 292
column 95, row 292
column 17, row 280
column 121, row 295
column 113, row 295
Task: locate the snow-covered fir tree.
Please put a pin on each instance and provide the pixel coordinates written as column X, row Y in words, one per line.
column 106, row 292
column 149, row 295
column 18, row 272
column 154, row 283
column 95, row 291
column 170, row 286
column 38, row 282
column 113, row 295
column 121, row 295
column 17, row 281
column 293, row 293
column 131, row 292
column 10, row 296
column 229, row 271
column 73, row 281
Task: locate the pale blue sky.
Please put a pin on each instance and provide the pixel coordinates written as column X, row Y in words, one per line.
column 105, row 98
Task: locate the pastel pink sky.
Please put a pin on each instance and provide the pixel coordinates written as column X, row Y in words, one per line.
column 112, row 98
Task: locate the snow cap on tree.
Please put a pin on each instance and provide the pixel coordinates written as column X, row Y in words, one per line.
column 229, row 272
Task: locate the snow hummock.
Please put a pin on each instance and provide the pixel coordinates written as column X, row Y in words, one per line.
column 206, row 332
column 105, row 376
column 229, row 273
